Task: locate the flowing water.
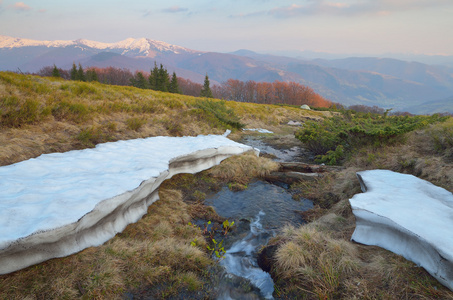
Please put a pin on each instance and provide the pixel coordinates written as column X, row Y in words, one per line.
column 240, row 260
column 276, row 203
column 294, row 153
column 267, row 207
column 263, row 208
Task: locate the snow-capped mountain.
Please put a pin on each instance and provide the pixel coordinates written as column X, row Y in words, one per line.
column 387, row 83
column 133, row 47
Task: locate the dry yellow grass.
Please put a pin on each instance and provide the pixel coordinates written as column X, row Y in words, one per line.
column 157, row 249
column 42, row 115
column 243, row 168
column 304, row 267
column 314, row 262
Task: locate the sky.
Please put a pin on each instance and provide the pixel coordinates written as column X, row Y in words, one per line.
column 332, row 26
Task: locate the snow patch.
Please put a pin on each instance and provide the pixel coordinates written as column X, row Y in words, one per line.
column 60, row 203
column 260, row 130
column 408, row 216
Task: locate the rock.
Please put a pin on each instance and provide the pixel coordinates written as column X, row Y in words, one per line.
column 291, row 172
column 307, row 168
column 266, row 257
column 290, row 177
column 294, row 123
column 408, row 216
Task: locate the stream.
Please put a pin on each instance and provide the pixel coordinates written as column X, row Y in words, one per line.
column 259, row 211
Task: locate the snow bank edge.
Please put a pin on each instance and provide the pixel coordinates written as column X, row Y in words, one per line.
column 373, row 229
column 108, row 218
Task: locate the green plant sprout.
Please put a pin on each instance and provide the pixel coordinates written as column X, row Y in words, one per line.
column 213, row 246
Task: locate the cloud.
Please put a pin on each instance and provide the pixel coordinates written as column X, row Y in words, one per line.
column 355, row 7
column 20, row 6
column 175, row 9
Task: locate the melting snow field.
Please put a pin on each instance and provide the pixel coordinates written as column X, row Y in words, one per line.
column 408, row 216
column 60, row 203
column 260, row 130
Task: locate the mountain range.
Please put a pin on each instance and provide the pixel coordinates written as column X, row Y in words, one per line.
column 385, row 82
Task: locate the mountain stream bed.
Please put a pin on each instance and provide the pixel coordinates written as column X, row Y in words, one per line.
column 259, row 211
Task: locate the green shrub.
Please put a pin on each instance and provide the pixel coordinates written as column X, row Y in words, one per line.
column 332, row 157
column 135, row 123
column 173, row 103
column 221, row 112
column 83, row 88
column 91, row 136
column 354, row 131
column 76, row 112
column 13, row 113
column 442, row 138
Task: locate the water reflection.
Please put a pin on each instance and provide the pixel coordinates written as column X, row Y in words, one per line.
column 277, row 204
column 281, row 155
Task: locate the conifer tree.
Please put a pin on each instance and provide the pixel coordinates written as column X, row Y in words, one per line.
column 139, row 81
column 163, row 79
column 80, row 73
column 91, row 75
column 55, row 72
column 174, row 87
column 159, row 80
column 206, row 90
column 74, row 73
column 153, row 78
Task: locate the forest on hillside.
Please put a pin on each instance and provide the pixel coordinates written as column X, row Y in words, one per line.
column 277, row 92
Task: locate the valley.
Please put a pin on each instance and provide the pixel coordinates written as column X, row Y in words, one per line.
column 388, row 83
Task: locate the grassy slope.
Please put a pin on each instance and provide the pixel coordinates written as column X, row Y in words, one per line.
column 318, row 259
column 41, row 115
column 313, row 262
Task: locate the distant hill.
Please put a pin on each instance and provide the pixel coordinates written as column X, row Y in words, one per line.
column 438, row 106
column 414, row 71
column 388, row 83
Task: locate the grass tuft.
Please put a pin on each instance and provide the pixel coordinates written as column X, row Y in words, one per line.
column 243, row 168
column 315, row 262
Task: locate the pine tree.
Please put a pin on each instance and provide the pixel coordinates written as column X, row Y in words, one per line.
column 206, row 90
column 159, row 80
column 74, row 72
column 80, row 73
column 163, row 79
column 91, row 75
column 174, row 87
column 55, row 72
column 139, row 81
column 153, row 78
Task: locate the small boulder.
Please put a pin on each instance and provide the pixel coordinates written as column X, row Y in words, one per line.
column 294, row 123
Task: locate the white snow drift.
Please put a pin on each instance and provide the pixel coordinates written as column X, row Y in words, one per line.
column 408, row 216
column 58, row 204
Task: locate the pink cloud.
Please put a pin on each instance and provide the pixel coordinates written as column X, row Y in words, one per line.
column 20, row 6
